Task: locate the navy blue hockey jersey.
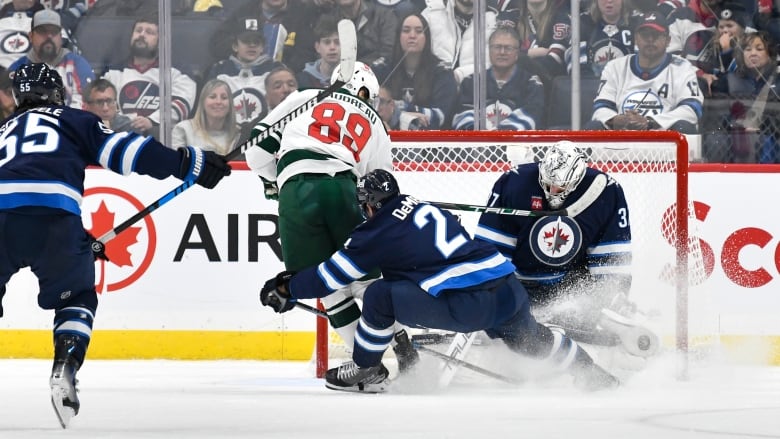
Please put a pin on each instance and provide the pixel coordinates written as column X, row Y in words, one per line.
column 544, row 250
column 44, row 151
column 408, row 240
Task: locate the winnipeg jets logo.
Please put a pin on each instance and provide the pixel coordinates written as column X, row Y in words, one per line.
column 555, row 240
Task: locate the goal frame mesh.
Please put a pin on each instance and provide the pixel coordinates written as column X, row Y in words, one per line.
column 681, row 220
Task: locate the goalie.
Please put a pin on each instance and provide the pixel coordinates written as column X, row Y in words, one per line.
column 576, row 268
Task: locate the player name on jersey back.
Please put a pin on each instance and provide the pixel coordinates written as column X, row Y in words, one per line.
column 359, row 104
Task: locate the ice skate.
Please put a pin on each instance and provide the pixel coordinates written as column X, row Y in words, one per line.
column 405, row 352
column 592, row 378
column 64, row 395
column 349, row 377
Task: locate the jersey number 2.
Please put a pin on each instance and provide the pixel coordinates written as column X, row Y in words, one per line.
column 326, row 128
column 446, row 247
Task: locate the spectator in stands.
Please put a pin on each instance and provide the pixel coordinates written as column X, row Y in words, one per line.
column 213, row 128
column 46, row 47
column 7, row 101
column 376, row 30
column 317, row 73
column 711, row 50
column 650, row 89
column 606, row 33
column 15, row 16
column 515, row 96
column 387, row 110
column 138, row 82
column 544, row 27
column 424, row 89
column 753, row 132
column 278, row 85
column 100, row 99
column 245, row 71
column 285, row 22
column 453, row 33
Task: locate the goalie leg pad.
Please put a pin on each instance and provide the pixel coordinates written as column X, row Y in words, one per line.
column 636, row 339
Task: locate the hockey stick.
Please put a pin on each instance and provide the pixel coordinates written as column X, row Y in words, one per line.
column 348, row 39
column 582, row 203
column 456, row 352
column 467, row 365
column 447, row 358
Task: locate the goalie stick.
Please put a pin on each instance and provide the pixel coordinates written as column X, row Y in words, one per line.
column 348, row 42
column 448, row 358
column 582, row 203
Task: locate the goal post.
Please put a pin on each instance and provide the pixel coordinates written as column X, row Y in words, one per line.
column 652, row 166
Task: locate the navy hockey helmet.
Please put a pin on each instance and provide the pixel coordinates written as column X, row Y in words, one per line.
column 375, row 189
column 37, row 84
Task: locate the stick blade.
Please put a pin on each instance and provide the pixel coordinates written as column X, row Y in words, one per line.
column 348, row 42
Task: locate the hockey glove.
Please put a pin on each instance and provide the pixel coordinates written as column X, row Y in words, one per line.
column 98, row 248
column 205, row 168
column 276, row 293
column 271, row 190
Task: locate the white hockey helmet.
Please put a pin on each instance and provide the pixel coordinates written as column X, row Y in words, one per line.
column 560, row 171
column 362, row 77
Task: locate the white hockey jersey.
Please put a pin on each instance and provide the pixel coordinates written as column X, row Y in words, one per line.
column 669, row 93
column 340, row 133
column 14, row 41
column 138, row 93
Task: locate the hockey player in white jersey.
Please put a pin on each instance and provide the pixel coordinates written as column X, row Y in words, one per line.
column 312, row 166
column 650, row 89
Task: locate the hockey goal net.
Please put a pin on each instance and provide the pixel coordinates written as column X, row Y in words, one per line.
column 461, row 167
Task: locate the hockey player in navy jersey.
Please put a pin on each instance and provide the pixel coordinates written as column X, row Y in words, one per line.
column 575, row 268
column 434, row 276
column 44, row 148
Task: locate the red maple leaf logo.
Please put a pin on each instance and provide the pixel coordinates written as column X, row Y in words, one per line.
column 117, row 249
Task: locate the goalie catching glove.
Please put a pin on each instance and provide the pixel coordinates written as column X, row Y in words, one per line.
column 276, row 293
column 205, row 168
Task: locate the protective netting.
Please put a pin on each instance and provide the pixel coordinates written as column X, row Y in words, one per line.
column 462, row 169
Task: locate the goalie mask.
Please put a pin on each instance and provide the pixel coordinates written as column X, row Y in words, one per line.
column 560, row 172
column 362, row 77
column 375, row 189
column 37, row 84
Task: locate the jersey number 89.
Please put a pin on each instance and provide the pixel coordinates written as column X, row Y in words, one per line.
column 326, row 127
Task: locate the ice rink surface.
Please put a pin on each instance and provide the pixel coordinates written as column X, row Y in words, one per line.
column 237, row 399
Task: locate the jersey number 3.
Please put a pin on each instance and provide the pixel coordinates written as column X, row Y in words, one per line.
column 327, row 129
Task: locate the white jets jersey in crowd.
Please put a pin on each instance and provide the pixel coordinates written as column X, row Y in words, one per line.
column 669, row 93
column 138, row 93
column 341, row 133
column 14, row 41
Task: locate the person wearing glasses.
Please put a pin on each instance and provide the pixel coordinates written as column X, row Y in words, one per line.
column 100, row 99
column 515, row 96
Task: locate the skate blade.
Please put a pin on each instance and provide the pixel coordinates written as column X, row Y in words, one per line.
column 380, row 387
column 64, row 413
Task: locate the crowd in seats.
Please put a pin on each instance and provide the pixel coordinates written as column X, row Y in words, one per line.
column 422, row 52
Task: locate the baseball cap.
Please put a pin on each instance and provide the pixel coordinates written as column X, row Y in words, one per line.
column 46, row 16
column 653, row 20
column 735, row 12
column 248, row 27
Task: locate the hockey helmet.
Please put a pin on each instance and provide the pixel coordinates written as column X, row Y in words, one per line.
column 37, row 84
column 560, row 171
column 375, row 189
column 363, row 76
